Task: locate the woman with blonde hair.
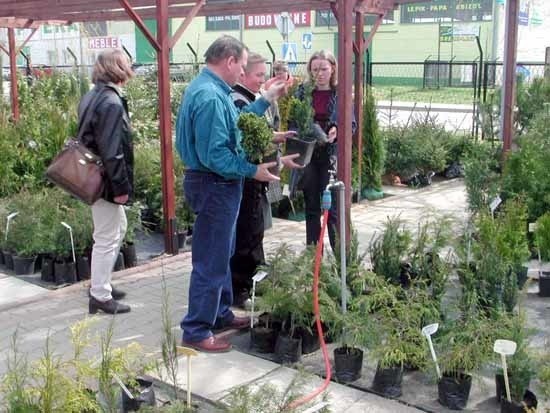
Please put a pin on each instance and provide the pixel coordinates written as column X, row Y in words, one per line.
column 105, row 129
column 322, row 75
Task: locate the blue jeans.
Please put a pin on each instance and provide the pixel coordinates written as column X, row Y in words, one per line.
column 215, row 201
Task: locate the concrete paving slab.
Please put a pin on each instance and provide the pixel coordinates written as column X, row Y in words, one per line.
column 13, row 289
column 213, row 375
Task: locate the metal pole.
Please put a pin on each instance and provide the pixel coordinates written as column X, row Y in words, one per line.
column 343, row 254
column 13, row 74
column 509, row 81
column 358, row 95
column 547, row 64
column 496, row 22
column 163, row 60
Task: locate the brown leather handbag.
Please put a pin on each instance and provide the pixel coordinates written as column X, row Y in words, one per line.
column 76, row 169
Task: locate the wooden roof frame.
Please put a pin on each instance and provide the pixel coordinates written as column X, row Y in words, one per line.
column 30, row 12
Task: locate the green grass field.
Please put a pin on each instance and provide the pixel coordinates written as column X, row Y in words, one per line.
column 463, row 96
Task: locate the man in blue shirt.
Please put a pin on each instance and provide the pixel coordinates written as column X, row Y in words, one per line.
column 209, row 143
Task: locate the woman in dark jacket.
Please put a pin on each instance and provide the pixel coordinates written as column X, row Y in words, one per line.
column 321, row 70
column 108, row 135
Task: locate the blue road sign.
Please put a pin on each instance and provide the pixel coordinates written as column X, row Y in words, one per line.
column 307, row 40
column 289, row 52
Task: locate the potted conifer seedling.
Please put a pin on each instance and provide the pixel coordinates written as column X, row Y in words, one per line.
column 309, row 133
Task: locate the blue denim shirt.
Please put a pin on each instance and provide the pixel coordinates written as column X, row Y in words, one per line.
column 207, row 136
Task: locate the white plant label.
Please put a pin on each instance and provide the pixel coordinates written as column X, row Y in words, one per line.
column 260, row 275
column 286, row 190
column 532, row 226
column 495, row 203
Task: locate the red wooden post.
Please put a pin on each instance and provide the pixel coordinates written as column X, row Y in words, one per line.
column 358, row 93
column 509, row 83
column 13, row 74
column 163, row 59
column 345, row 74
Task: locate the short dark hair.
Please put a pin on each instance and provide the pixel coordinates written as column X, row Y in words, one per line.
column 224, row 47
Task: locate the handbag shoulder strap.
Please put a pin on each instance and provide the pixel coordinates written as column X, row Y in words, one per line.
column 88, row 113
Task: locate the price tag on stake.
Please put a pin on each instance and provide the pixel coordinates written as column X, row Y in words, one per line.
column 532, row 226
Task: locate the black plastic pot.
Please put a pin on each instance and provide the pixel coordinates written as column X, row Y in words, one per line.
column 454, row 391
column 544, row 284
column 304, row 148
column 64, row 271
column 70, row 274
column 529, row 402
column 521, row 274
column 310, row 340
column 130, row 256
column 23, row 265
column 119, row 263
column 149, row 220
column 83, row 269
column 144, row 395
column 387, row 381
column 288, row 349
column 8, row 259
column 59, row 271
column 38, row 262
column 181, row 239
column 263, row 339
column 348, row 363
column 501, row 388
column 273, row 157
column 46, row 272
column 1, row 258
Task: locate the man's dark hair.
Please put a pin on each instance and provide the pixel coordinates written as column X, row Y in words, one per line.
column 224, row 47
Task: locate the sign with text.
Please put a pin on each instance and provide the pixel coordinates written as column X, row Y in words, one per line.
column 267, row 21
column 447, row 10
column 104, row 43
column 458, row 32
column 222, row 23
column 326, row 18
column 523, row 18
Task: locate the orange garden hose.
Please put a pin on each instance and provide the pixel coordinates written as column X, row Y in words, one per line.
column 316, row 271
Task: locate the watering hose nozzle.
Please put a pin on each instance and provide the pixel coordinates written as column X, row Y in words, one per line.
column 326, row 200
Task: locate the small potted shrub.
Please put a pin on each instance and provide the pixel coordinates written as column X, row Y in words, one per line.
column 512, row 240
column 542, row 241
column 388, row 251
column 521, row 367
column 128, row 249
column 464, row 346
column 257, row 139
column 301, row 118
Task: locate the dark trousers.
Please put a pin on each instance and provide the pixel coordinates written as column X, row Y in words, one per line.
column 314, row 182
column 249, row 248
column 216, row 202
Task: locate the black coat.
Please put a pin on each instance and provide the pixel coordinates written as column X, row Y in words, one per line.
column 108, row 134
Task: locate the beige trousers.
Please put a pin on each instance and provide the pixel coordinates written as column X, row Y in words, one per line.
column 109, row 230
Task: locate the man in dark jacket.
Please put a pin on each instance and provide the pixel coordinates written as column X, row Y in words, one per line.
column 106, row 132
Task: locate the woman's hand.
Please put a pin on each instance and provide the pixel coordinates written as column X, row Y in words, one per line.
column 281, row 137
column 121, row 199
column 332, row 134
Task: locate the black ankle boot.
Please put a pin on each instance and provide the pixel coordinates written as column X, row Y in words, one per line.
column 115, row 293
column 109, row 307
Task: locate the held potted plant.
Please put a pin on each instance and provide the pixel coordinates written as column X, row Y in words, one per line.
column 257, row 139
column 301, row 117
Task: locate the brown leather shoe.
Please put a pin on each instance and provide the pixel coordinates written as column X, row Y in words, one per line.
column 238, row 323
column 209, row 345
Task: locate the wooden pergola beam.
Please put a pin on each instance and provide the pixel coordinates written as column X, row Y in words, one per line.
column 111, row 10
